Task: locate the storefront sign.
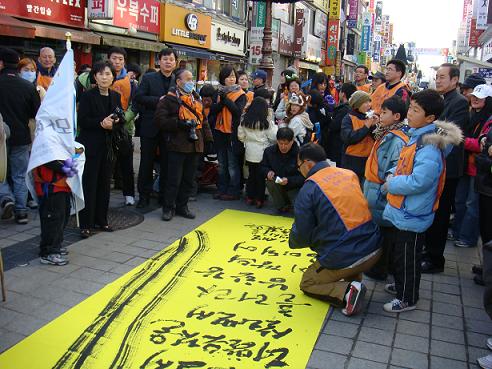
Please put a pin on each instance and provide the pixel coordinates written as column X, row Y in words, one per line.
column 320, row 24
column 140, row 15
column 256, row 34
column 322, row 4
column 353, row 13
column 366, row 31
column 332, row 41
column 474, row 34
column 485, row 73
column 100, row 9
column 286, row 39
column 260, row 14
column 65, row 12
column 227, row 39
column 483, row 9
column 371, row 6
column 298, row 29
column 334, row 9
column 313, row 49
column 182, row 26
column 378, row 22
column 255, row 53
column 281, row 11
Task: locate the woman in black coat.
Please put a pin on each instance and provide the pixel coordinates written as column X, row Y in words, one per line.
column 95, row 121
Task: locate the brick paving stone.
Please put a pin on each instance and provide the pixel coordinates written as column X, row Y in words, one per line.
column 424, row 304
column 447, row 288
column 477, row 339
column 7, row 316
column 412, row 343
column 417, row 316
column 478, row 326
column 9, row 339
column 372, row 351
column 448, row 350
column 341, row 329
column 326, row 360
column 475, row 352
column 335, row 344
column 356, row 363
column 380, row 322
column 477, row 314
column 447, row 298
column 448, row 335
column 25, row 325
column 443, row 363
column 447, row 321
column 374, row 335
column 78, row 285
column 413, row 328
column 448, row 309
column 409, row 359
column 337, row 315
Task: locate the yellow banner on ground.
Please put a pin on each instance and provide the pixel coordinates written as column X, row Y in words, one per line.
column 224, row 296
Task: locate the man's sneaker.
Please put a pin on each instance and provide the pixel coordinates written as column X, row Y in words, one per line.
column 54, row 259
column 489, row 343
column 398, row 306
column 485, row 362
column 390, row 288
column 463, row 244
column 7, row 209
column 21, row 218
column 354, row 298
column 129, row 200
column 63, row 251
column 31, row 204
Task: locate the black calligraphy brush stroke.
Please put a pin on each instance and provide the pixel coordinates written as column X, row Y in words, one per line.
column 83, row 346
column 129, row 345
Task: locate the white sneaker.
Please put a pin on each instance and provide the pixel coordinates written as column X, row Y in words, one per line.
column 485, row 362
column 489, row 343
column 354, row 298
column 390, row 288
column 398, row 306
column 129, row 200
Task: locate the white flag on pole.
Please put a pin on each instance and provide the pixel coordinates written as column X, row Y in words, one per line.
column 56, row 128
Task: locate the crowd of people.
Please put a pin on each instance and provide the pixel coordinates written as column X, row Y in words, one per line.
column 406, row 164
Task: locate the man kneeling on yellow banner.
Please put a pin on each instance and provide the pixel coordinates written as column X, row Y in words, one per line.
column 332, row 217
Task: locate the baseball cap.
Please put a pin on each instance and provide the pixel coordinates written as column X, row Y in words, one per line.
column 473, row 80
column 378, row 75
column 482, row 91
column 259, row 74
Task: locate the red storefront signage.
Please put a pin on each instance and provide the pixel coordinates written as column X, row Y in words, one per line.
column 474, row 34
column 67, row 12
column 332, row 41
column 298, row 30
column 142, row 15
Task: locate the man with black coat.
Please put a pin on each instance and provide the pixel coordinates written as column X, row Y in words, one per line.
column 279, row 166
column 455, row 110
column 152, row 87
column 19, row 102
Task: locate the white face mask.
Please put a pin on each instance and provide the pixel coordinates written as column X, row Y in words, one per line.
column 28, row 76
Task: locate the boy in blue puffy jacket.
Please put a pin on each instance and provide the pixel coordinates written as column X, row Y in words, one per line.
column 414, row 189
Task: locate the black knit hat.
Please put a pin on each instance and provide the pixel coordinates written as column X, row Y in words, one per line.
column 473, row 80
column 9, row 57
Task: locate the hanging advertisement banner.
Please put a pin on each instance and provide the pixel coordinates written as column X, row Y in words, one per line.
column 371, row 6
column 100, row 9
column 353, row 13
column 141, row 15
column 334, row 9
column 378, row 22
column 260, row 14
column 366, row 32
column 286, row 39
column 474, row 34
column 483, row 9
column 332, row 41
column 298, row 29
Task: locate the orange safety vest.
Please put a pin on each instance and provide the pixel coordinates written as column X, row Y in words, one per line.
column 365, row 88
column 224, row 118
column 44, row 81
column 249, row 97
column 372, row 165
column 342, row 188
column 185, row 113
column 382, row 93
column 124, row 88
column 405, row 168
column 363, row 148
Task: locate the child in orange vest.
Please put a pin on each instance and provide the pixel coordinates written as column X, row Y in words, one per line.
column 413, row 191
column 390, row 138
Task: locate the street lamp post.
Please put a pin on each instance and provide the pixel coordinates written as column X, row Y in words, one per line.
column 266, row 62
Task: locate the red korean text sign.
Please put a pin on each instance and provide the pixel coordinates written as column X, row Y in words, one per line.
column 142, row 15
column 332, row 41
column 67, row 12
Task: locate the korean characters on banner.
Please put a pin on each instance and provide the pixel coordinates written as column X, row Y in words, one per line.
column 100, row 9
column 141, row 15
column 353, row 13
column 332, row 41
column 366, row 31
column 334, row 9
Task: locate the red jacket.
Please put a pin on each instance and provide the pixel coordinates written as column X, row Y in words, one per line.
column 472, row 145
column 48, row 181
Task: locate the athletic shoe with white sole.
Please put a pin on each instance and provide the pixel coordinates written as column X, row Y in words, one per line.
column 489, row 343
column 54, row 259
column 354, row 298
column 129, row 200
column 390, row 288
column 7, row 209
column 398, row 306
column 485, row 362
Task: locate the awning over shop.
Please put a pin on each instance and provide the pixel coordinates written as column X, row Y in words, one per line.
column 192, row 52
column 306, row 65
column 231, row 58
column 131, row 42
column 58, row 33
column 10, row 26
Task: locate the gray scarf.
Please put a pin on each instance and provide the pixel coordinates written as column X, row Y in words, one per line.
column 227, row 89
column 380, row 132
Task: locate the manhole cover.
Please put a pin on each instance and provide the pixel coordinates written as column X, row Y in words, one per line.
column 118, row 218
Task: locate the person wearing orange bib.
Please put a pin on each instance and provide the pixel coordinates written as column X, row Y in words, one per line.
column 46, row 67
column 390, row 137
column 414, row 188
column 360, row 79
column 243, row 81
column 394, row 73
column 181, row 119
column 332, row 218
column 356, row 134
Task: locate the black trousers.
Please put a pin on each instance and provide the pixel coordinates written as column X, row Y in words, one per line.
column 407, row 255
column 255, row 184
column 148, row 152
column 124, row 170
column 485, row 215
column 383, row 265
column 181, row 174
column 54, row 212
column 96, row 182
column 436, row 236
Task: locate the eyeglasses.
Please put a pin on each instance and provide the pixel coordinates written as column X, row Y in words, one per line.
column 300, row 165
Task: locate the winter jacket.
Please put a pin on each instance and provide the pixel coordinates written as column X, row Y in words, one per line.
column 166, row 120
column 388, row 153
column 472, row 146
column 353, row 137
column 483, row 180
column 455, row 111
column 281, row 111
column 332, row 217
column 19, row 102
column 322, row 116
column 333, row 143
column 256, row 141
column 283, row 165
column 420, row 188
column 301, row 125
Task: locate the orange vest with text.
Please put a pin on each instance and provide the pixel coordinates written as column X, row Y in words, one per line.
column 124, row 88
column 381, row 94
column 363, row 148
column 185, row 113
column 372, row 165
column 43, row 81
column 365, row 88
column 249, row 97
column 224, row 118
column 405, row 168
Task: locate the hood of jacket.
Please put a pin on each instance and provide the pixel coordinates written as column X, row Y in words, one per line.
column 304, row 118
column 446, row 134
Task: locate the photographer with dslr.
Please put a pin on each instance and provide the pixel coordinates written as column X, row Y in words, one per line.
column 184, row 127
column 97, row 116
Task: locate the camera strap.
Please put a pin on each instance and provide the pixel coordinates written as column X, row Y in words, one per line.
column 191, row 110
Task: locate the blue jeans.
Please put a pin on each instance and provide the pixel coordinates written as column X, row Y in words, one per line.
column 466, row 226
column 229, row 171
column 15, row 188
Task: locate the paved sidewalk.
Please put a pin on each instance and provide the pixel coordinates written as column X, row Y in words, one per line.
column 448, row 330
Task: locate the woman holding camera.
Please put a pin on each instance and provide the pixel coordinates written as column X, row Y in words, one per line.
column 184, row 127
column 96, row 117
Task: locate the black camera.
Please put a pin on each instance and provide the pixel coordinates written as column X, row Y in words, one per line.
column 118, row 113
column 192, row 136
